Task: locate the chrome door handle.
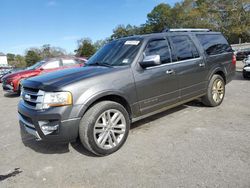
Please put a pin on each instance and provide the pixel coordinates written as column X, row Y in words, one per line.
column 170, row 71
column 202, row 64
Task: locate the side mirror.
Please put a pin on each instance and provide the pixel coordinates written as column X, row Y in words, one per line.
column 150, row 61
column 41, row 69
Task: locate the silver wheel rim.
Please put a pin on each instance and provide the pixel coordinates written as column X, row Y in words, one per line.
column 109, row 129
column 218, row 90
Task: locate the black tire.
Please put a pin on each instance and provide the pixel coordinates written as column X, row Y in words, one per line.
column 208, row 99
column 87, row 126
column 244, row 74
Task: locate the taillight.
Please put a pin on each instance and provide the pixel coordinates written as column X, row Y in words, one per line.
column 234, row 60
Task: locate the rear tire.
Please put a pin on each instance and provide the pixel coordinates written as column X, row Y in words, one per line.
column 104, row 128
column 215, row 91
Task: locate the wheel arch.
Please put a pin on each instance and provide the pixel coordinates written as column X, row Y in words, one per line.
column 219, row 71
column 107, row 96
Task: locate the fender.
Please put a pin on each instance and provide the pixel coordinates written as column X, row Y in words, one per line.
column 99, row 95
column 214, row 70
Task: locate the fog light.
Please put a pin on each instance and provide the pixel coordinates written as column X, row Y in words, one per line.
column 47, row 129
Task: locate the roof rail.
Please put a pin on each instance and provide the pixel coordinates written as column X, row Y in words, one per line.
column 187, row 30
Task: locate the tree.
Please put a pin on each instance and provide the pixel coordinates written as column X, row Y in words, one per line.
column 160, row 18
column 124, row 31
column 85, row 48
column 49, row 52
column 20, row 61
column 16, row 60
column 100, row 43
column 231, row 17
column 10, row 57
column 32, row 57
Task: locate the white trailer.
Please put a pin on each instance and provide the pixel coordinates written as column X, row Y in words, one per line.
column 3, row 60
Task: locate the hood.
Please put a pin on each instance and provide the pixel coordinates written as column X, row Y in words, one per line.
column 58, row 79
column 18, row 73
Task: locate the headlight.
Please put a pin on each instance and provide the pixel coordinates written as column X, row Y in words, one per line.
column 57, row 99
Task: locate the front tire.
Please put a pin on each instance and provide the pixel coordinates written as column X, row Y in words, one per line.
column 104, row 128
column 215, row 91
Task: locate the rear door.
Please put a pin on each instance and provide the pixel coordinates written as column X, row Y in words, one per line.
column 157, row 86
column 218, row 53
column 191, row 66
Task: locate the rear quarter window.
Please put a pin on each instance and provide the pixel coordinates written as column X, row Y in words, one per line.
column 214, row 44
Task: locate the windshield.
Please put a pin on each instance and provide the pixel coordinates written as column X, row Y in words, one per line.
column 35, row 66
column 117, row 53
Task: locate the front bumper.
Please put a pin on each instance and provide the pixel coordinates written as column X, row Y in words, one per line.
column 67, row 126
column 8, row 88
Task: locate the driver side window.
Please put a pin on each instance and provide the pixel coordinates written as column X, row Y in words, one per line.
column 158, row 47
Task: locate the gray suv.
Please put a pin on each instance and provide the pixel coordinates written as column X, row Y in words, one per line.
column 126, row 80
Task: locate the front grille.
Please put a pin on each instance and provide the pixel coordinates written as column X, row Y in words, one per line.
column 32, row 98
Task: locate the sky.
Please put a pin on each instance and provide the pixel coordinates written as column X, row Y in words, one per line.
column 32, row 23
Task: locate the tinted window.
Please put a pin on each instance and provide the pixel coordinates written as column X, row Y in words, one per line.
column 69, row 62
column 159, row 47
column 52, row 65
column 184, row 48
column 214, row 44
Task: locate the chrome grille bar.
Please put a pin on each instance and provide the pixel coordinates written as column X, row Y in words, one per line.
column 32, row 99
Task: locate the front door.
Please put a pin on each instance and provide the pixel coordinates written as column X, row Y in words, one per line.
column 157, row 86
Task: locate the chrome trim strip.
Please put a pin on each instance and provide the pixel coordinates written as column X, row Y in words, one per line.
column 189, row 30
column 37, row 102
column 73, row 119
column 32, row 132
column 174, row 63
column 39, row 93
column 165, row 108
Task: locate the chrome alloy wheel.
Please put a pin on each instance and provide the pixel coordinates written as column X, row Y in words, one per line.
column 218, row 90
column 109, row 129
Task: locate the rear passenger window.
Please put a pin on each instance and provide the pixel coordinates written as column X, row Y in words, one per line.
column 159, row 47
column 184, row 48
column 214, row 44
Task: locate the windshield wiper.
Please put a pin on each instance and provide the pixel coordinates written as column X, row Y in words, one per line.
column 100, row 64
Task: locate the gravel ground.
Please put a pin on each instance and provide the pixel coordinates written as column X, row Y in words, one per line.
column 188, row 146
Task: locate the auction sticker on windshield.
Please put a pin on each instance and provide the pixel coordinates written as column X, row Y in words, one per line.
column 132, row 42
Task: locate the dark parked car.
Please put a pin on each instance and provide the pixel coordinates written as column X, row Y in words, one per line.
column 12, row 82
column 242, row 54
column 4, row 71
column 125, row 81
column 246, row 68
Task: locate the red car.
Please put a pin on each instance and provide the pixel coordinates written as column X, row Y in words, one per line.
column 11, row 82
